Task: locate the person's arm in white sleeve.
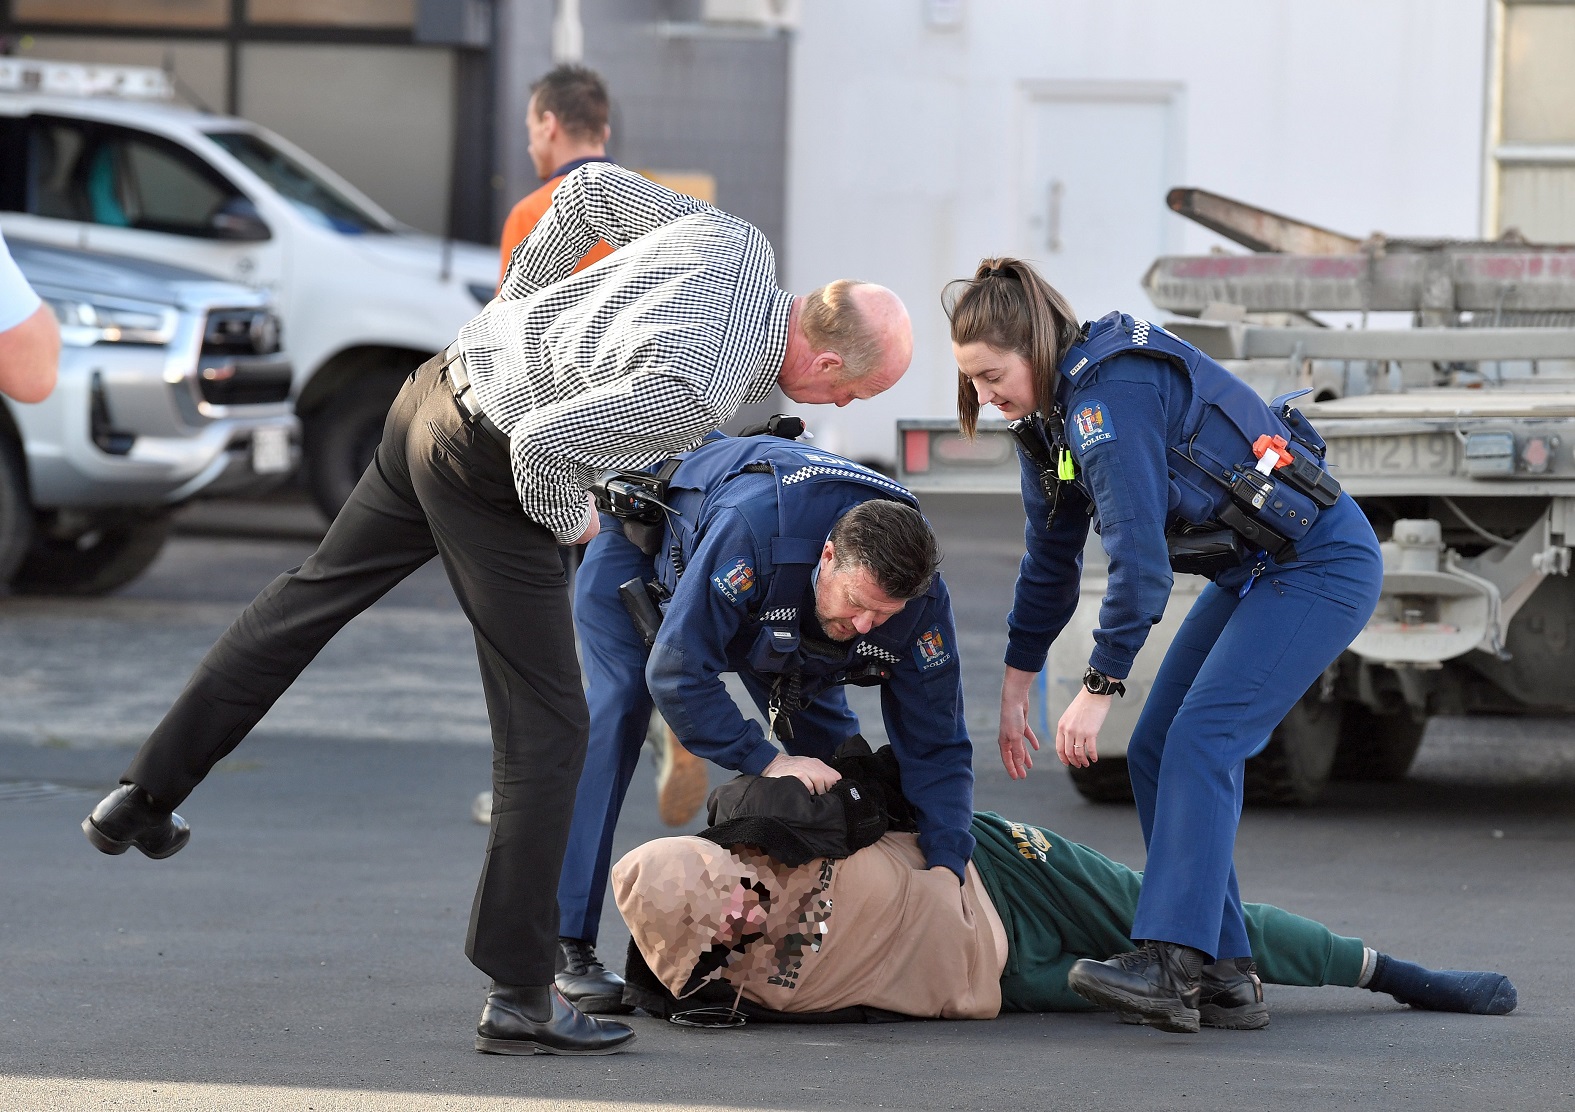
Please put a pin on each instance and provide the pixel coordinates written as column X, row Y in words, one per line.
column 599, row 201
column 629, row 422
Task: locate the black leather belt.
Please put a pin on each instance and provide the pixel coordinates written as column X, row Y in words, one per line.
column 465, row 393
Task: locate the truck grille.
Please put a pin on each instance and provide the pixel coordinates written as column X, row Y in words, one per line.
column 239, row 382
column 240, row 332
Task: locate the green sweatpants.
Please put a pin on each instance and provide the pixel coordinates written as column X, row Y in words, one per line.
column 1061, row 901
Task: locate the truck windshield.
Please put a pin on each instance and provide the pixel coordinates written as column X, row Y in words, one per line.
column 316, row 199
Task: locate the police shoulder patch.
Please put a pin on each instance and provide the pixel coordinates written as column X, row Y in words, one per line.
column 930, row 649
column 734, row 579
column 1089, row 425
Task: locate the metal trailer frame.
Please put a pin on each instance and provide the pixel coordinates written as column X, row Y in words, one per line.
column 1457, row 437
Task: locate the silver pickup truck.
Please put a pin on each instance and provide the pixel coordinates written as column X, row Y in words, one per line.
column 172, row 386
column 1454, row 435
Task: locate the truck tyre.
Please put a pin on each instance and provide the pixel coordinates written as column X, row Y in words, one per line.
column 1293, row 769
column 341, row 437
column 1104, row 781
column 16, row 511
column 1377, row 748
column 94, row 563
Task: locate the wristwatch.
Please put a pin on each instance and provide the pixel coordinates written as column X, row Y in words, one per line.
column 1097, row 683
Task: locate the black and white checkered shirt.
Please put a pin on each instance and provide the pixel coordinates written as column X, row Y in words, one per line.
column 634, row 358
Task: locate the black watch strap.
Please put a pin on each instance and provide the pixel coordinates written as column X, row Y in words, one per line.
column 1097, row 683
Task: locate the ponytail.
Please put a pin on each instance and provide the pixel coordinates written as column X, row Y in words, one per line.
column 1010, row 307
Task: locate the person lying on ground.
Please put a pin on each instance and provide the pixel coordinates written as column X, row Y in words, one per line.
column 876, row 930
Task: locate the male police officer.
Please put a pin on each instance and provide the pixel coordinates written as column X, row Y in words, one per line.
column 800, row 571
column 484, row 461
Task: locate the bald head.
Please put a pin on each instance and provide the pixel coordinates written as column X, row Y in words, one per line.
column 854, row 338
column 885, row 320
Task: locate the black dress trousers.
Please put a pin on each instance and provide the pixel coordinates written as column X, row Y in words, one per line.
column 437, row 486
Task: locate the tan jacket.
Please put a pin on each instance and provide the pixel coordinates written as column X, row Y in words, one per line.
column 876, row 929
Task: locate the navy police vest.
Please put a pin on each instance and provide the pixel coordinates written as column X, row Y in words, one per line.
column 1223, row 420
column 812, row 492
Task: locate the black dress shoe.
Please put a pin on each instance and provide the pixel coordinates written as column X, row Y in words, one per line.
column 538, row 1020
column 585, row 982
column 1159, row 983
column 128, row 817
column 1232, row 996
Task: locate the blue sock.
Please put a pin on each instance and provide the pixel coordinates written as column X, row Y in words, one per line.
column 1443, row 990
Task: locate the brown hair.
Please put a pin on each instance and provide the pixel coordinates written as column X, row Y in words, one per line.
column 832, row 322
column 1009, row 306
column 577, row 97
column 893, row 541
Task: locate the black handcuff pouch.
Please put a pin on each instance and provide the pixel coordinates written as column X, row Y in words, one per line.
column 1204, row 550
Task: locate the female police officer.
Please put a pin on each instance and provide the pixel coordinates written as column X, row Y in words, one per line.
column 1177, row 463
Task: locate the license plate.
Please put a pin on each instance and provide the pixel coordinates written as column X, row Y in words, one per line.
column 271, row 451
column 1426, row 453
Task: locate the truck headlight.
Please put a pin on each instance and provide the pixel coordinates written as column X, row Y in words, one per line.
column 84, row 322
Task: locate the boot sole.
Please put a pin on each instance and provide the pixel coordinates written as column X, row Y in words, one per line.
column 105, row 844
column 1172, row 1016
column 527, row 1046
column 1247, row 1017
column 682, row 783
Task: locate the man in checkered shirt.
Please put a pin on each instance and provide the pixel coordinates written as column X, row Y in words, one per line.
column 560, row 377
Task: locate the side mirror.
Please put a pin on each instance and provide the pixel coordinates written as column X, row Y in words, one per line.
column 238, row 219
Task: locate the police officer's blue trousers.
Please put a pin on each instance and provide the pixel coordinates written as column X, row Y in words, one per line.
column 1237, row 666
column 613, row 658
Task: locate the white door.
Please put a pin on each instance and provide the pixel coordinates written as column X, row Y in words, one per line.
column 1096, row 168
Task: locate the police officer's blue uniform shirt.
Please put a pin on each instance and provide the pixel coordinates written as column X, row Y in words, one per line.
column 711, row 625
column 1120, row 427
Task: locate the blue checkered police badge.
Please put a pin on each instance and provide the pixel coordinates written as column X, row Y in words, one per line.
column 1091, row 425
column 734, row 579
column 930, row 649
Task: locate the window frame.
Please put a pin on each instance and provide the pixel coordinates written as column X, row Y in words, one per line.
column 99, row 134
column 1499, row 153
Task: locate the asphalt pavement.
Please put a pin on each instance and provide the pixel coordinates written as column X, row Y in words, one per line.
column 305, row 951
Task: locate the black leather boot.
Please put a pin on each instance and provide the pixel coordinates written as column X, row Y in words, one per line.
column 1160, row 983
column 1232, row 996
column 128, row 817
column 585, row 982
column 521, row 1019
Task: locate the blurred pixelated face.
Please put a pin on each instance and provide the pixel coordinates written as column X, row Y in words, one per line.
column 848, row 601
column 999, row 378
column 700, row 912
column 685, row 898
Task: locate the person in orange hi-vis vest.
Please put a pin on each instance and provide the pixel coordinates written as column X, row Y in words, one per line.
column 567, row 122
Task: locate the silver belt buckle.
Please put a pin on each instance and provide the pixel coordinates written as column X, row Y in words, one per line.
column 460, row 381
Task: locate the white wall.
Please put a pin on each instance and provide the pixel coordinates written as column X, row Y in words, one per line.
column 904, row 139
